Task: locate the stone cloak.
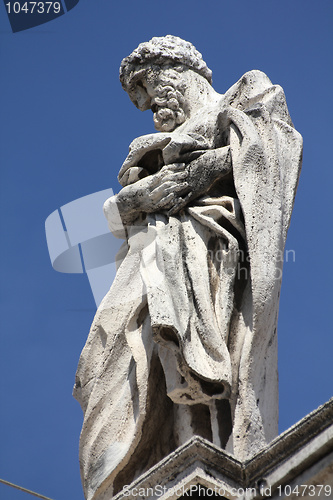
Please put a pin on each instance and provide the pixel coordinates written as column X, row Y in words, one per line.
column 128, row 420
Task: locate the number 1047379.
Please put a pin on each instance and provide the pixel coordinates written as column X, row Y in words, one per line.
column 306, row 490
column 33, row 7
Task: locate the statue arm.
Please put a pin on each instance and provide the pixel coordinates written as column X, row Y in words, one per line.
column 151, row 194
column 202, row 173
column 208, row 168
column 170, row 189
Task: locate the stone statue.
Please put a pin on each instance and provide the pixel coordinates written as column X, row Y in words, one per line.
column 185, row 341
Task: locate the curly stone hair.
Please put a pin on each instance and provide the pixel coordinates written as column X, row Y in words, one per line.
column 168, row 49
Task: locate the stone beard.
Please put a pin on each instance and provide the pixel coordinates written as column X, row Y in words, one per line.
column 184, row 344
column 167, row 105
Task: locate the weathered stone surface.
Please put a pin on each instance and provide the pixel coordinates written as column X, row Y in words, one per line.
column 184, row 343
column 300, row 457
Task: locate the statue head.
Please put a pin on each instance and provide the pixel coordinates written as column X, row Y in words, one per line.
column 156, row 76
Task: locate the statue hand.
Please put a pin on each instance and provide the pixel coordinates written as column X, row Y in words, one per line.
column 201, row 173
column 153, row 193
column 166, row 186
column 174, row 186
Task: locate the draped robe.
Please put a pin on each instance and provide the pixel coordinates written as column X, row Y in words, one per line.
column 191, row 316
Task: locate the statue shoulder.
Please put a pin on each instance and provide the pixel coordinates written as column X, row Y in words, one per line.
column 252, row 83
column 255, row 77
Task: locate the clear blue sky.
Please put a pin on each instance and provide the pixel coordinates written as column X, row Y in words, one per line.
column 66, row 125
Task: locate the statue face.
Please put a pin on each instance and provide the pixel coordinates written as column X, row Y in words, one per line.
column 161, row 91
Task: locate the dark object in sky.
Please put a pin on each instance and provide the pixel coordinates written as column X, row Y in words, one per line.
column 24, row 15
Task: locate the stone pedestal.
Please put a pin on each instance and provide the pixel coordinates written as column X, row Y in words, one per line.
column 297, row 464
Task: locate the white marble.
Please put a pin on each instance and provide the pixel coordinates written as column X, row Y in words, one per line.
column 185, row 342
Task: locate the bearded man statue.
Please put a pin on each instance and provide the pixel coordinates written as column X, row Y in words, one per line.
column 184, row 344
